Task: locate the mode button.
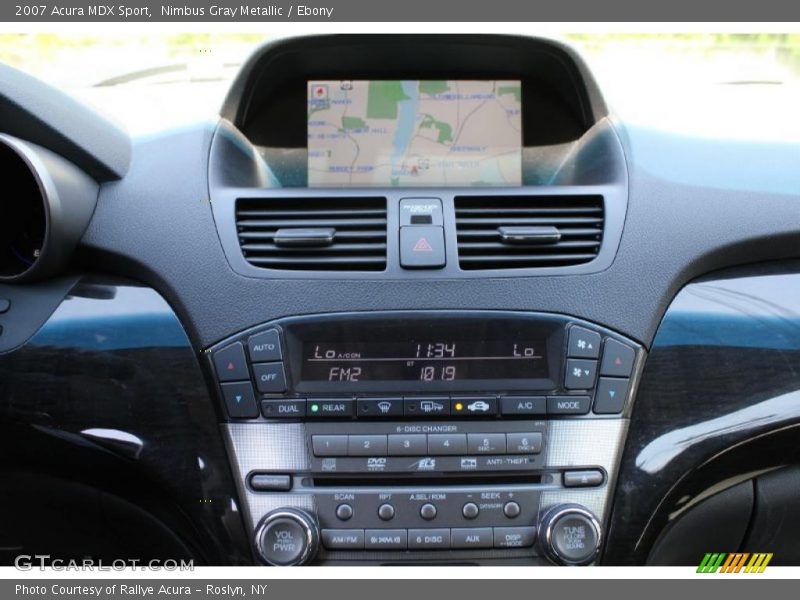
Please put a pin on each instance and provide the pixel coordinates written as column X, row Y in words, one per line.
column 568, row 405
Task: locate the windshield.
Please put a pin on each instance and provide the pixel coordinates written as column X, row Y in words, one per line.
column 734, row 85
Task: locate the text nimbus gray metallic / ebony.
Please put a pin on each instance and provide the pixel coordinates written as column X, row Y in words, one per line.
column 246, row 10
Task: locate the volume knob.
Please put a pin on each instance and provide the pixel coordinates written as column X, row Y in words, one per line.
column 570, row 535
column 287, row 537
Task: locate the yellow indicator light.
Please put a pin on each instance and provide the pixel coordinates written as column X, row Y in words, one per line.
column 459, row 406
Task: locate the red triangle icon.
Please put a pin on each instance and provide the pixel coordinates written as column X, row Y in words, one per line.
column 231, row 367
column 422, row 245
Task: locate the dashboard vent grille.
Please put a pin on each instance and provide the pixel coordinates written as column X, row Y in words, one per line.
column 523, row 232
column 313, row 234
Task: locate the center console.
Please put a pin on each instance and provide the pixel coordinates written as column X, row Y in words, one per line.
column 459, row 437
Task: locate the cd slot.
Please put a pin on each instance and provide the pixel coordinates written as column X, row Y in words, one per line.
column 416, row 482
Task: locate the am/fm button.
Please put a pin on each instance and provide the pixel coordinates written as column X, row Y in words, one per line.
column 568, row 405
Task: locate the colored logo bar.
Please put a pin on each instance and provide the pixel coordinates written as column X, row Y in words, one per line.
column 735, row 562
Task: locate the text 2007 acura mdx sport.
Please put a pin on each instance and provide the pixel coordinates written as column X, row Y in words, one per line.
column 410, row 299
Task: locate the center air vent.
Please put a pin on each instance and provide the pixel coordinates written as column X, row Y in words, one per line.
column 524, row 232
column 313, row 234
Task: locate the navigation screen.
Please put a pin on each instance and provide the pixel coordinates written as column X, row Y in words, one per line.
column 414, row 133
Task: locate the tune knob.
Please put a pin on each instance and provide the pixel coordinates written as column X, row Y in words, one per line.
column 570, row 534
column 286, row 537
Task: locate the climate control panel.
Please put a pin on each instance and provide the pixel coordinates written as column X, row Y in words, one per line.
column 452, row 437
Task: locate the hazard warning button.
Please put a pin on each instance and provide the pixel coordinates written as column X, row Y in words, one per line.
column 422, row 247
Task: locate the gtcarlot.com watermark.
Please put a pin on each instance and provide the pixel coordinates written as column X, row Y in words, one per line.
column 28, row 562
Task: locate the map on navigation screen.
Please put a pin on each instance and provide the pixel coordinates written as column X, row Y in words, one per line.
column 414, row 133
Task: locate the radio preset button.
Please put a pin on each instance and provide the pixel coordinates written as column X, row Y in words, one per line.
column 343, row 539
column 514, row 537
column 470, row 510
column 265, row 346
column 583, row 343
column 269, row 378
column 379, row 539
column 366, row 445
column 230, row 363
column 426, row 407
column 329, row 445
column 283, row 409
column 412, row 444
column 568, row 405
column 471, row 537
column 617, row 359
column 428, row 511
column 240, row 400
column 330, row 408
column 524, row 443
column 428, row 539
column 523, row 405
column 447, row 443
column 486, row 443
column 511, row 510
column 344, row 512
column 379, row 407
column 386, row 512
column 580, row 374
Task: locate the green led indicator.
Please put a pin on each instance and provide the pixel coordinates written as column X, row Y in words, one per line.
column 315, row 408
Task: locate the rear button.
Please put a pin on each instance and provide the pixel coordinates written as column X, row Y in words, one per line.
column 333, row 408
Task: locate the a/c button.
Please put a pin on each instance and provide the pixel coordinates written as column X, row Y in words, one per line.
column 523, row 405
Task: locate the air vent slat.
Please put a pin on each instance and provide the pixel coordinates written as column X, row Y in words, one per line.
column 565, row 232
column 341, row 234
column 336, row 248
column 278, row 224
column 358, row 225
column 508, row 219
column 316, row 262
column 579, row 222
column 468, row 212
column 299, row 214
column 500, row 247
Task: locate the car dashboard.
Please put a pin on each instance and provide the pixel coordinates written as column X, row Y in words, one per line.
column 410, row 299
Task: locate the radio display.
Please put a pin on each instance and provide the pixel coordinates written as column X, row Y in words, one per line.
column 425, row 361
column 425, row 354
